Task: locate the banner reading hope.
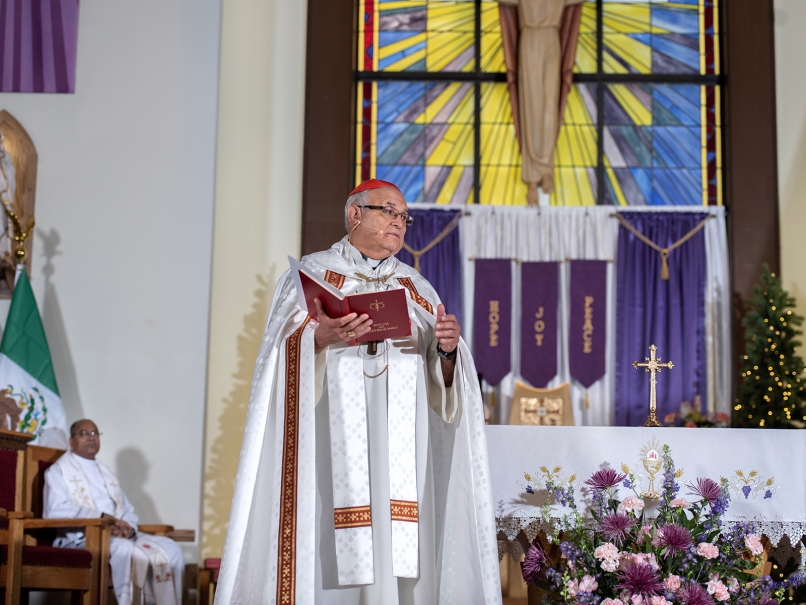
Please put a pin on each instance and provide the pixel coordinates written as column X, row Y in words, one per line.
column 492, row 318
column 539, row 294
column 587, row 322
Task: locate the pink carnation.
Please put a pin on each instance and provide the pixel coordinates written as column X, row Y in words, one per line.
column 717, row 588
column 573, row 587
column 672, row 582
column 753, row 544
column 644, row 533
column 680, row 503
column 707, row 550
column 588, row 584
column 606, row 551
column 637, row 599
column 733, row 585
column 658, row 600
column 630, row 504
column 609, row 601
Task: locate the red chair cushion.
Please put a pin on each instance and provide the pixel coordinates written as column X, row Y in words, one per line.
column 213, row 565
column 48, row 556
column 8, row 481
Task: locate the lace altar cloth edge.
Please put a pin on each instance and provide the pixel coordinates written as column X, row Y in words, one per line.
column 765, row 469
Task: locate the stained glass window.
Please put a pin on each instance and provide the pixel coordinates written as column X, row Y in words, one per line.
column 641, row 124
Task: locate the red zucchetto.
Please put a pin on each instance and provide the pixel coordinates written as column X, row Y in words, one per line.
column 372, row 184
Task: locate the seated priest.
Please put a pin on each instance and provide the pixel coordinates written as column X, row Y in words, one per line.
column 79, row 486
column 363, row 476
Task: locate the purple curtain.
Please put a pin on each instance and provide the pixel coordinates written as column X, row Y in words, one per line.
column 669, row 314
column 38, row 41
column 442, row 265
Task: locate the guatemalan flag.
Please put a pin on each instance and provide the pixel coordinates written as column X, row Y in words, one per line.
column 29, row 397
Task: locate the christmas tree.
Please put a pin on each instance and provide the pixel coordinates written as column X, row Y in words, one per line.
column 771, row 391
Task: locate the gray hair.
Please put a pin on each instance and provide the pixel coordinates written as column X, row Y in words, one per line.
column 357, row 199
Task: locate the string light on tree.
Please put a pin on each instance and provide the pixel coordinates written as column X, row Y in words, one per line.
column 771, row 393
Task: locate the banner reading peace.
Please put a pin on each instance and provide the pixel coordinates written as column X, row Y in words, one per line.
column 587, row 322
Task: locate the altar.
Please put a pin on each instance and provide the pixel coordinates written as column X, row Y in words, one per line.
column 764, row 470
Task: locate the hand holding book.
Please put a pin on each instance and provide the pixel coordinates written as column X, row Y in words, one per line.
column 340, row 329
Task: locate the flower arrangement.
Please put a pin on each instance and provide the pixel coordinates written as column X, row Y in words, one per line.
column 619, row 555
column 691, row 416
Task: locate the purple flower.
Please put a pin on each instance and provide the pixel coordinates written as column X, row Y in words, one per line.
column 605, row 479
column 616, row 527
column 675, row 537
column 626, row 483
column 640, row 579
column 694, row 594
column 529, row 489
column 533, row 564
column 707, row 489
column 767, row 494
column 746, row 491
column 767, row 599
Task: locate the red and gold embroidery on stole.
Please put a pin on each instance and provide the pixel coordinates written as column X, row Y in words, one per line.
column 420, row 300
column 404, row 510
column 287, row 536
column 334, row 279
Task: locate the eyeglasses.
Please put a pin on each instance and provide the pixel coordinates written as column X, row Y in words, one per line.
column 88, row 433
column 392, row 214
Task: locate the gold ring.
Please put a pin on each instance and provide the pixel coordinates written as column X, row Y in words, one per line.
column 351, row 334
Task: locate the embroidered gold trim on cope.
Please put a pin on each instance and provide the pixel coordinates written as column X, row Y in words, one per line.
column 409, row 285
column 352, row 516
column 404, row 510
column 287, row 536
column 334, row 279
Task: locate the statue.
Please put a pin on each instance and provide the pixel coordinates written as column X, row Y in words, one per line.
column 539, row 82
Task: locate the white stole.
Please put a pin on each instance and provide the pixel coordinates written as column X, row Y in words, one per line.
column 350, row 464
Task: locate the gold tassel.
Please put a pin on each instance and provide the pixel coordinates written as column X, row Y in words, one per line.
column 664, row 268
column 492, row 398
column 587, row 400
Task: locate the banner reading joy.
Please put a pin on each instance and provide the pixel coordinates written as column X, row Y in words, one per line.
column 492, row 318
column 539, row 292
column 587, row 322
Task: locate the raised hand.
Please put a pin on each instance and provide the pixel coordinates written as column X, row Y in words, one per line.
column 342, row 329
column 447, row 330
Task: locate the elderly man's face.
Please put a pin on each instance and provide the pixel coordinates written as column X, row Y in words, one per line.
column 86, row 441
column 379, row 236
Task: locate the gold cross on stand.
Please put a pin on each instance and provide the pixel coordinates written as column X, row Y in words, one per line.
column 653, row 366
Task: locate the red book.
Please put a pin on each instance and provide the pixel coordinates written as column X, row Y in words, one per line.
column 387, row 309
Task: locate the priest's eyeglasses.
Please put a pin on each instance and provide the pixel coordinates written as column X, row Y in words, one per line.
column 392, row 214
column 89, row 433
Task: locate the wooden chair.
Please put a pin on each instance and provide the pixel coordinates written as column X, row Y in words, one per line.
column 208, row 579
column 25, row 565
column 39, row 459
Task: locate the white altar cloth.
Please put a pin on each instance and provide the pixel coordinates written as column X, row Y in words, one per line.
column 766, row 470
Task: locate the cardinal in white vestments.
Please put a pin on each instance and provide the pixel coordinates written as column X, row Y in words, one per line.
column 363, row 476
column 79, row 486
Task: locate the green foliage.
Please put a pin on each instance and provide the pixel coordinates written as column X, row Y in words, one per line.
column 771, row 393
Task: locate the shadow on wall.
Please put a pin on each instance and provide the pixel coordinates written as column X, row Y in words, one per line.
column 219, row 478
column 792, row 210
column 52, row 319
column 132, row 470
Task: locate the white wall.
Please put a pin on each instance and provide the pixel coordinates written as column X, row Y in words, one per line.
column 124, row 213
column 790, row 90
column 257, row 219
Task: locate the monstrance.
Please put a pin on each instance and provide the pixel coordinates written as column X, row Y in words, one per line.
column 653, row 366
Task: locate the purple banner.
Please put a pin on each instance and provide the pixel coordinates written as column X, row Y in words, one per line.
column 539, row 292
column 38, row 49
column 492, row 318
column 588, row 320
